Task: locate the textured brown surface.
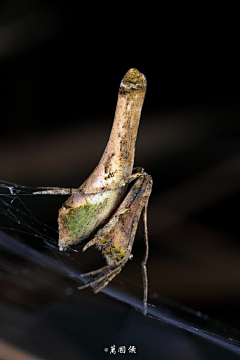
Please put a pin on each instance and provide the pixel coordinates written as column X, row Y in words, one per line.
column 91, row 211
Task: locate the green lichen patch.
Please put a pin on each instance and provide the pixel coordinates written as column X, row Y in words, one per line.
column 79, row 221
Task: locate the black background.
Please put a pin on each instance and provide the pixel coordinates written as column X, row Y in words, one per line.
column 60, row 70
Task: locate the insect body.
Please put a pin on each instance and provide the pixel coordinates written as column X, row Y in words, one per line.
column 101, row 202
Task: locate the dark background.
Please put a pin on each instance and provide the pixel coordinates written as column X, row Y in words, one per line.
column 60, row 70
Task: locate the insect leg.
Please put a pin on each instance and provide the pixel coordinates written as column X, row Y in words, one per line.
column 55, row 191
column 69, row 191
column 90, row 243
column 138, row 169
column 99, row 278
column 93, row 282
column 108, row 227
column 142, row 205
column 144, row 262
column 102, row 285
column 95, row 272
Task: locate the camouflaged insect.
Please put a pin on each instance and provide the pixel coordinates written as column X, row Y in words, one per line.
column 101, row 207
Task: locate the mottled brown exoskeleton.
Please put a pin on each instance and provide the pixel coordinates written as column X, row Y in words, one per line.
column 101, row 206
